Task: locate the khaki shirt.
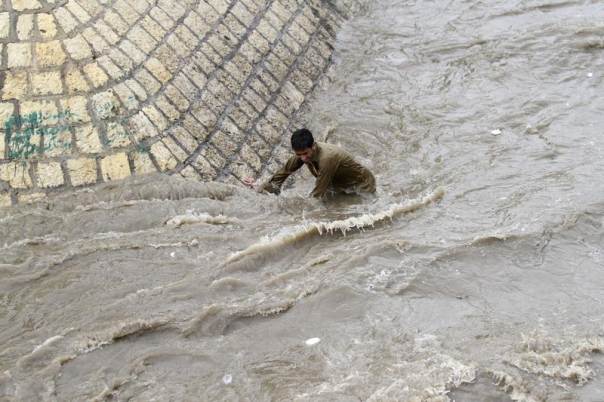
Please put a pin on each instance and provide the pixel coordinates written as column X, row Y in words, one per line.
column 332, row 166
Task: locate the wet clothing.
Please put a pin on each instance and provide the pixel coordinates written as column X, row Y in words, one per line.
column 334, row 169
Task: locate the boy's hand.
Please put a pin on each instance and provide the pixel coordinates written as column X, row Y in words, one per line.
column 249, row 181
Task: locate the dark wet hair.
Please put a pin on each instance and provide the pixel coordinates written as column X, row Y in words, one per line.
column 302, row 139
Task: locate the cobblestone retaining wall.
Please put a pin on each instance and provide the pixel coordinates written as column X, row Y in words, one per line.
column 99, row 90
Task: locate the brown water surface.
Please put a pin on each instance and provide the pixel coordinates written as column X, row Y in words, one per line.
column 476, row 274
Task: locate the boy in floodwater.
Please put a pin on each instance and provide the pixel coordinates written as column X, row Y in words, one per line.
column 334, row 168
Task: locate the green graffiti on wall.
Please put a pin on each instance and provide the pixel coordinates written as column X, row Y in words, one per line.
column 28, row 135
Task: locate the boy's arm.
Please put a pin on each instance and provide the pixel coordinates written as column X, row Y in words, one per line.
column 274, row 184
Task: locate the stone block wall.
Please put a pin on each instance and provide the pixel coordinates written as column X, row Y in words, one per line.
column 99, row 90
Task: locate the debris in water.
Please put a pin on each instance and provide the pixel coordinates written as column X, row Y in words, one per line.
column 173, row 254
column 496, row 132
column 590, row 75
column 313, row 341
column 227, row 379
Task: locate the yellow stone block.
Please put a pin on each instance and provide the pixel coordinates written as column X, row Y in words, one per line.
column 167, row 109
column 19, row 55
column 205, row 169
column 156, row 117
column 116, row 22
column 47, row 25
column 65, row 19
column 189, row 39
column 117, row 135
column 177, row 98
column 115, row 167
column 87, row 139
column 15, row 85
column 158, row 70
column 142, row 163
column 75, row 82
column 141, row 127
column 96, row 75
column 23, row 5
column 97, row 42
column 153, row 27
column 137, row 88
column 75, row 109
column 50, row 54
column 110, row 68
column 160, row 16
column 4, row 25
column 78, row 11
column 126, row 96
column 60, row 143
column 188, row 141
column 189, row 173
column 165, row 160
column 46, row 111
column 25, row 24
column 77, row 47
column 175, row 149
column 106, row 32
column 47, row 83
column 5, row 200
column 166, row 55
column 82, row 171
column 50, row 174
column 142, row 39
column 6, row 112
column 16, row 174
column 105, row 105
column 132, row 51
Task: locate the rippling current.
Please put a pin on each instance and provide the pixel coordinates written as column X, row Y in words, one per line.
column 475, row 274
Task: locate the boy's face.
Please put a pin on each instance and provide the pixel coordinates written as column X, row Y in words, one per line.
column 305, row 154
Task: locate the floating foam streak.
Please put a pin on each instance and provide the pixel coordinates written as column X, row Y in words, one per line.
column 119, row 331
column 344, row 226
column 192, row 218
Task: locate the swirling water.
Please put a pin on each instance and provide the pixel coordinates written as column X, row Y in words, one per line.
column 475, row 274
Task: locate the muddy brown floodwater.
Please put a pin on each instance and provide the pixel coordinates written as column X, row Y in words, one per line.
column 475, row 274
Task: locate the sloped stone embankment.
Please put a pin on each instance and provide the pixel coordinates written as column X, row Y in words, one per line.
column 99, row 90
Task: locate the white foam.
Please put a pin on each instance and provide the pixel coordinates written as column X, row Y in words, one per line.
column 297, row 233
column 193, row 218
column 120, row 330
column 431, row 380
column 47, row 342
column 513, row 387
column 562, row 359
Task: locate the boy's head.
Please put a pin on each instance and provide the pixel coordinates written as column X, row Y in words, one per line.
column 303, row 144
